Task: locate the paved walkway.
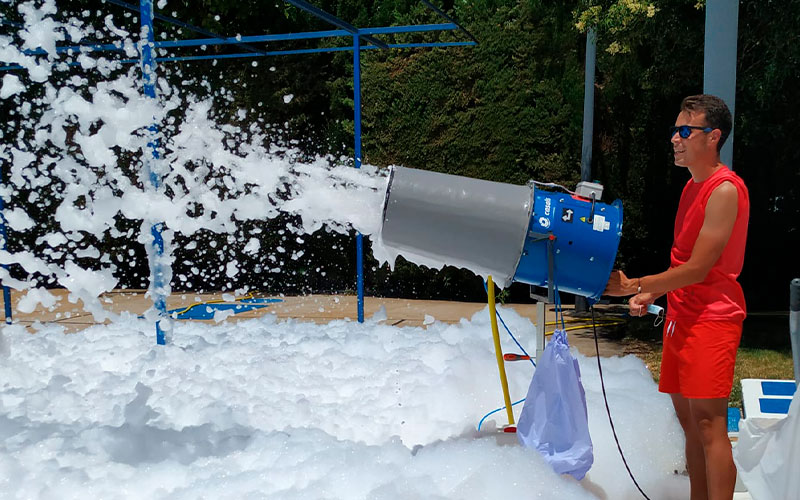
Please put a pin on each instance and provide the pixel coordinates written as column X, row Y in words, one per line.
column 315, row 308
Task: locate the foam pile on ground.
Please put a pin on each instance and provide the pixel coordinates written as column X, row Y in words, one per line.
column 266, row 408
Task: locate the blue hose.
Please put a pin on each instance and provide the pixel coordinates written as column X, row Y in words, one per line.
column 495, row 411
column 509, row 332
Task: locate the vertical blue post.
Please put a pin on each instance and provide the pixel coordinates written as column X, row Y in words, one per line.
column 719, row 60
column 357, row 120
column 3, row 237
column 148, row 77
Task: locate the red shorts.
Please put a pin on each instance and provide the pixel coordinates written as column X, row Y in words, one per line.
column 698, row 359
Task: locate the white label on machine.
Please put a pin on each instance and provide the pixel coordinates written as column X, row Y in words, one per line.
column 600, row 224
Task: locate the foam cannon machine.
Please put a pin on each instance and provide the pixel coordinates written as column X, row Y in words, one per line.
column 565, row 241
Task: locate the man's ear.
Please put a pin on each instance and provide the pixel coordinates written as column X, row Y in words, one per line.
column 715, row 135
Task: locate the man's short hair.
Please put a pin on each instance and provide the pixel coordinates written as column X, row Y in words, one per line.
column 717, row 113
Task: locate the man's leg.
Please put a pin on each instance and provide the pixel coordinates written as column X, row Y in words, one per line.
column 710, row 417
column 695, row 455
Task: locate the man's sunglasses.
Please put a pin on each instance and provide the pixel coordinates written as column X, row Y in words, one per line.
column 686, row 130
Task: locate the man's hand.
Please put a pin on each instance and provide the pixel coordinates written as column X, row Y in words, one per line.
column 639, row 302
column 620, row 285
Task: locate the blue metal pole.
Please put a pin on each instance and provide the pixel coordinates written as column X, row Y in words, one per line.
column 277, row 53
column 357, row 120
column 719, row 60
column 195, row 42
column 148, row 78
column 3, row 237
column 110, row 47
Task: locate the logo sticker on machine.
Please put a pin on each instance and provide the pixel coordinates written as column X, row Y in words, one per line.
column 600, row 224
column 544, row 222
column 566, row 214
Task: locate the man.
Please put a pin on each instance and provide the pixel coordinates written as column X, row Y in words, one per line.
column 705, row 303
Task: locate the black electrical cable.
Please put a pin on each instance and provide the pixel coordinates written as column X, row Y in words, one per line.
column 608, row 410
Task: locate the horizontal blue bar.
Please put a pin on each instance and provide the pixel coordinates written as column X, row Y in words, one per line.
column 252, row 39
column 778, row 388
column 306, row 35
column 243, row 55
column 779, row 406
column 196, row 42
column 306, row 51
column 105, row 47
column 281, row 53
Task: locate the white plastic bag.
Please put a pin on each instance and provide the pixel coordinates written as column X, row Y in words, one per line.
column 767, row 455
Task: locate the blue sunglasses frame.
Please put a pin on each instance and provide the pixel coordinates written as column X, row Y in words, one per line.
column 686, row 130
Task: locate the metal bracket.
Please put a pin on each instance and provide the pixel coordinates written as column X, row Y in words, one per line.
column 542, row 300
column 550, row 238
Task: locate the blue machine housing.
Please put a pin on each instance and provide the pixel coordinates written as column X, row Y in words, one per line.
column 583, row 236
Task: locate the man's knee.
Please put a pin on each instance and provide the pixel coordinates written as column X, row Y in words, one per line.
column 709, row 416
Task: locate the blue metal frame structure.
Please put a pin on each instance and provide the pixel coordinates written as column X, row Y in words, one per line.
column 363, row 39
column 217, row 40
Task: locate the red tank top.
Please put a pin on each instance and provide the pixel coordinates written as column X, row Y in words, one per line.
column 719, row 297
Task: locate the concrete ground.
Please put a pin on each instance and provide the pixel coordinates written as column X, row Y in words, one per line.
column 315, row 308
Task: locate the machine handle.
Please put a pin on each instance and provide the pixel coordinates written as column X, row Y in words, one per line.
column 515, row 357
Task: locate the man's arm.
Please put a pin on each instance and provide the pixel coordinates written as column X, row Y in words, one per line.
column 720, row 218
